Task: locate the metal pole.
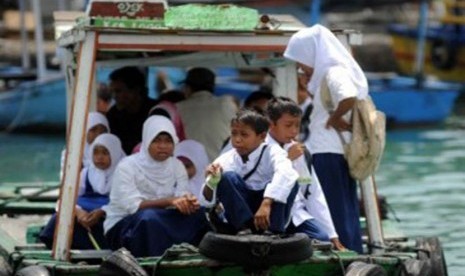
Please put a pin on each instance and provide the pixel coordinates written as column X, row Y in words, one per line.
column 315, row 11
column 25, row 58
column 39, row 37
column 420, row 56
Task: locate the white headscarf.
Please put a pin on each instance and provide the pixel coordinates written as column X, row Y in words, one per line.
column 101, row 179
column 196, row 153
column 318, row 48
column 93, row 119
column 160, row 172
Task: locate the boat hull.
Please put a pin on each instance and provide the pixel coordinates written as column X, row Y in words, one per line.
column 405, row 104
column 444, row 52
column 34, row 106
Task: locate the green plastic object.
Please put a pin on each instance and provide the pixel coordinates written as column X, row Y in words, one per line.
column 211, row 17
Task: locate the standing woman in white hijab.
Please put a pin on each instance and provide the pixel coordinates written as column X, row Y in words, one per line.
column 324, row 59
column 150, row 206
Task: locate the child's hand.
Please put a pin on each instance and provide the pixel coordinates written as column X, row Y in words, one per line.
column 213, row 169
column 262, row 217
column 81, row 217
column 94, row 217
column 213, row 173
column 295, row 151
column 186, row 204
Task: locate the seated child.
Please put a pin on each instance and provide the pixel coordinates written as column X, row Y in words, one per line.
column 255, row 183
column 310, row 214
column 150, row 207
column 195, row 159
column 94, row 188
column 97, row 124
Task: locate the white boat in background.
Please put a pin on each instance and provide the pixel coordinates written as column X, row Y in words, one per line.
column 32, row 99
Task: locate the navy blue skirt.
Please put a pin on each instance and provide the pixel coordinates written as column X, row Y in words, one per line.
column 81, row 238
column 149, row 232
column 341, row 195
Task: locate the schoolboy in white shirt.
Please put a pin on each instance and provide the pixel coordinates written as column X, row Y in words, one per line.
column 255, row 182
column 310, row 213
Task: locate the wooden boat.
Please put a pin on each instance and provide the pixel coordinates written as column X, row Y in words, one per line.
column 32, row 99
column 91, row 45
column 444, row 48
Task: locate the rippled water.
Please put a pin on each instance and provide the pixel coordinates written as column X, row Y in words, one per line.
column 422, row 174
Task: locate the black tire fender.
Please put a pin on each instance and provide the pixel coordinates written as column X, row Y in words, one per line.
column 364, row 269
column 414, row 267
column 431, row 249
column 121, row 263
column 256, row 250
column 33, row 270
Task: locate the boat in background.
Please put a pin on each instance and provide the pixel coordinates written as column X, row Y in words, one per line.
column 32, row 99
column 33, row 105
column 406, row 103
column 444, row 56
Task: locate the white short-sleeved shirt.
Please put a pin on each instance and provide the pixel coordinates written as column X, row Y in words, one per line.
column 274, row 173
column 315, row 205
column 130, row 187
column 322, row 139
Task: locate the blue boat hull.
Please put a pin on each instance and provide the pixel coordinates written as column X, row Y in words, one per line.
column 34, row 105
column 404, row 103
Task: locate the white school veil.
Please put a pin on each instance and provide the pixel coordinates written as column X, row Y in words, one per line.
column 318, row 48
column 93, row 119
column 196, row 153
column 160, row 172
column 101, row 179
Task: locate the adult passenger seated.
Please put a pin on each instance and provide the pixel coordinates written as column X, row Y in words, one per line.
column 206, row 117
column 127, row 115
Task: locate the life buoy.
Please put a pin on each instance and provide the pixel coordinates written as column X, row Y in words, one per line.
column 256, row 251
column 430, row 249
column 122, row 263
column 443, row 54
column 364, row 269
column 33, row 270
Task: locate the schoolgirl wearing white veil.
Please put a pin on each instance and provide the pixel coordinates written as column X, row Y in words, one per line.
column 328, row 64
column 93, row 194
column 150, row 206
column 194, row 157
column 97, row 124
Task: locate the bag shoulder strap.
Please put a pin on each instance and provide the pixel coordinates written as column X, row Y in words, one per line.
column 328, row 104
column 249, row 174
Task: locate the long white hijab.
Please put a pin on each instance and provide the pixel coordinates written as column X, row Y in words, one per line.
column 101, row 179
column 160, row 172
column 93, row 119
column 196, row 153
column 318, row 48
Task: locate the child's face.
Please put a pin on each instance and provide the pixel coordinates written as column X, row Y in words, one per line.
column 189, row 165
column 162, row 147
column 95, row 131
column 244, row 139
column 101, row 157
column 285, row 129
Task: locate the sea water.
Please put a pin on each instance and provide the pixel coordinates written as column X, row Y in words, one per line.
column 422, row 174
